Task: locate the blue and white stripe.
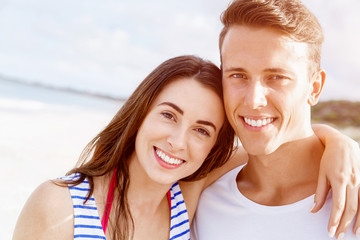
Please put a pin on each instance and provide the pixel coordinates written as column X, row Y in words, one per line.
column 179, row 226
column 87, row 224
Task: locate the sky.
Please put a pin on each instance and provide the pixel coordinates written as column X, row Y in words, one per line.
column 109, row 46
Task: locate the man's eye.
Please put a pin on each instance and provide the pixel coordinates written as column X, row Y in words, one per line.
column 238, row 75
column 278, row 77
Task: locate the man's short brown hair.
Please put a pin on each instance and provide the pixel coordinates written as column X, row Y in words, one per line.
column 288, row 16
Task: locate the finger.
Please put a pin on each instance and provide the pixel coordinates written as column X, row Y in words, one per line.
column 337, row 207
column 351, row 205
column 321, row 193
column 356, row 228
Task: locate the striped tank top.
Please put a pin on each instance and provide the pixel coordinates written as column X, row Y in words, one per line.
column 87, row 224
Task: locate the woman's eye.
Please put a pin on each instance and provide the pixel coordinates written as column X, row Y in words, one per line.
column 168, row 115
column 203, row 131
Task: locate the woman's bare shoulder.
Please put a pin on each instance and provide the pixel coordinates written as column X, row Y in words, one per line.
column 47, row 214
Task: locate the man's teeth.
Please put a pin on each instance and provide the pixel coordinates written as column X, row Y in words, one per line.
column 259, row 122
column 168, row 159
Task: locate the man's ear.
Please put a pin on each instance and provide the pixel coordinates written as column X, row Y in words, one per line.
column 317, row 84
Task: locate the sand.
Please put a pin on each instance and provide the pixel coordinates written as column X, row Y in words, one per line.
column 42, row 137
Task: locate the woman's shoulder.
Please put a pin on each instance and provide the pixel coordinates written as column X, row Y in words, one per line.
column 47, row 213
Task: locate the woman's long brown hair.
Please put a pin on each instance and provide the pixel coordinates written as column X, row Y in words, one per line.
column 112, row 147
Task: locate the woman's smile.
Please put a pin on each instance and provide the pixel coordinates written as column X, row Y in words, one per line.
column 167, row 160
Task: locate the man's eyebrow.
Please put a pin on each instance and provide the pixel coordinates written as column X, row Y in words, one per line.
column 174, row 106
column 234, row 69
column 267, row 70
column 274, row 70
column 206, row 123
column 279, row 71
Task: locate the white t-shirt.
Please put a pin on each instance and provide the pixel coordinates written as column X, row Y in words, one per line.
column 224, row 213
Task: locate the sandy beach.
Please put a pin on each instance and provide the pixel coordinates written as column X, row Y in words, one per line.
column 42, row 135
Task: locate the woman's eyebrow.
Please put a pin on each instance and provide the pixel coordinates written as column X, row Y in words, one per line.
column 207, row 123
column 174, row 106
column 178, row 109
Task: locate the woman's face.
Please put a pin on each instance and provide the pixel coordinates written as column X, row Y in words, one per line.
column 179, row 131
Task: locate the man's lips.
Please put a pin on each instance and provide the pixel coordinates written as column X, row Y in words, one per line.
column 258, row 122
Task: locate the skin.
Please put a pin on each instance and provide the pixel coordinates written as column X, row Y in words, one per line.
column 180, row 124
column 266, row 79
column 53, row 216
column 265, row 76
column 179, row 136
column 193, row 124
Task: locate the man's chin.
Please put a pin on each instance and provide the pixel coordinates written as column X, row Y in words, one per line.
column 260, row 150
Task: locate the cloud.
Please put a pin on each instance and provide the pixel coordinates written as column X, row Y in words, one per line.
column 341, row 51
column 109, row 46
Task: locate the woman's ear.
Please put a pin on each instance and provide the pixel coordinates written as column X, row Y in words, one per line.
column 317, row 84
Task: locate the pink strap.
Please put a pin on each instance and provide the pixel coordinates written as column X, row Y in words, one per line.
column 109, row 201
column 169, row 198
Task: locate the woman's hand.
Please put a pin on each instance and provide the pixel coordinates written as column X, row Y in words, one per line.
column 340, row 171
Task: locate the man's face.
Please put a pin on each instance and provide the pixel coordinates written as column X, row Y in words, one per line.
column 266, row 87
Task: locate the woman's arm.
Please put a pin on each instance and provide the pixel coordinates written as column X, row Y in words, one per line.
column 191, row 190
column 340, row 171
column 47, row 214
column 239, row 157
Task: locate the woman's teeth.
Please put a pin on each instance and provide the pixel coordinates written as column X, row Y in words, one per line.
column 259, row 122
column 168, row 159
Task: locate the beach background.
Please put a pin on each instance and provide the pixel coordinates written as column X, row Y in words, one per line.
column 67, row 66
column 43, row 132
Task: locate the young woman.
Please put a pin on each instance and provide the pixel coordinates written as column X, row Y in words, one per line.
column 173, row 127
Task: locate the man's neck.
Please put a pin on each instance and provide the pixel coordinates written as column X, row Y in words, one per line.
column 285, row 176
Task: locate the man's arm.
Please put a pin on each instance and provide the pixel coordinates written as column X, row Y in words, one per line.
column 340, row 171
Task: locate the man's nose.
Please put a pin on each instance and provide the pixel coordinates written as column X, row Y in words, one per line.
column 256, row 95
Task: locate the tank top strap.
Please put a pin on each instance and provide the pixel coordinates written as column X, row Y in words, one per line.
column 109, row 201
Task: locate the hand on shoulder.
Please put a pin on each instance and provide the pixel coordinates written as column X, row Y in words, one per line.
column 47, row 214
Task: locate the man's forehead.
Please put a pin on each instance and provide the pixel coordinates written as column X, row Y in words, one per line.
column 249, row 43
column 258, row 34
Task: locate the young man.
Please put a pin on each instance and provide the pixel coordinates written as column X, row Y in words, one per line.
column 270, row 55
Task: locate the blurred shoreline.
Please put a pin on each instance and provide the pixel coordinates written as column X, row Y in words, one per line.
column 12, row 80
column 342, row 115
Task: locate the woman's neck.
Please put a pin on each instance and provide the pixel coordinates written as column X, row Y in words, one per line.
column 148, row 204
column 143, row 192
